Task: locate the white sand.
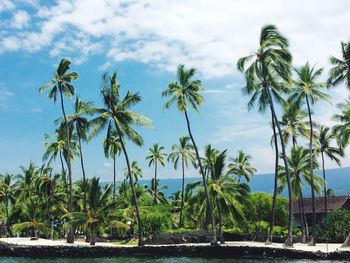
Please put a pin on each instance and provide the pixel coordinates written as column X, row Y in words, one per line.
column 298, row 246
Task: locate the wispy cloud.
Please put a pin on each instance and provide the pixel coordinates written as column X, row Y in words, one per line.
column 5, row 96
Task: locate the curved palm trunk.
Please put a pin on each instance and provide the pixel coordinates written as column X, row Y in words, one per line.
column 131, row 181
column 83, row 171
column 182, row 189
column 324, row 189
column 210, row 208
column 70, row 234
column 304, row 215
column 346, row 242
column 114, row 177
column 274, row 198
column 155, row 184
column 313, row 237
column 289, row 240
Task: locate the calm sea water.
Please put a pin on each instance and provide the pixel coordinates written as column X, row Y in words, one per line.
column 151, row 260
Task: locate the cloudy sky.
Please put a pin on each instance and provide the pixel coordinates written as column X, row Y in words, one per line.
column 144, row 41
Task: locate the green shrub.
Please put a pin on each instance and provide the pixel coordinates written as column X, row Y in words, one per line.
column 337, row 227
column 156, row 222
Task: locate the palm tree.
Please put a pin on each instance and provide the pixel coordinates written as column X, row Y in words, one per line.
column 185, row 92
column 324, row 147
column 25, row 181
column 293, row 123
column 270, row 64
column 299, row 164
column 155, row 186
column 342, row 128
column 99, row 207
column 340, row 72
column 117, row 110
column 308, row 89
column 30, row 211
column 241, row 167
column 61, row 85
column 80, row 124
column 156, row 155
column 112, row 148
column 7, row 195
column 184, row 152
column 136, row 172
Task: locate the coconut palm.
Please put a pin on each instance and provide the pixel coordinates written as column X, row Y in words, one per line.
column 30, row 211
column 80, row 124
column 156, row 155
column 324, row 147
column 293, row 123
column 136, row 172
column 117, row 111
column 342, row 128
column 61, row 85
column 340, row 72
column 240, row 167
column 308, row 90
column 7, row 195
column 184, row 152
column 155, row 186
column 185, row 92
column 263, row 73
column 112, row 148
column 299, row 164
column 25, row 181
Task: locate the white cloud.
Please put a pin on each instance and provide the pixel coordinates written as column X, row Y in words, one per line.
column 6, row 5
column 204, row 34
column 20, row 19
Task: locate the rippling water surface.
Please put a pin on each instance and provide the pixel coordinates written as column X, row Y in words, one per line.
column 152, row 260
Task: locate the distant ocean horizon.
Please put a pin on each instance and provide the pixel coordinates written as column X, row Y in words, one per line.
column 338, row 179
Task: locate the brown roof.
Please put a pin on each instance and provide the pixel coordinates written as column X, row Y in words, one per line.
column 333, row 203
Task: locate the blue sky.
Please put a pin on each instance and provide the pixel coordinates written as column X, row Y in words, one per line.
column 144, row 42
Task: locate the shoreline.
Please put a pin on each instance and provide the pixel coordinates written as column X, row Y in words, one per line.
column 43, row 248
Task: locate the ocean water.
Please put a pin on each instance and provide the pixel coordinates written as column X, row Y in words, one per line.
column 152, row 260
column 337, row 179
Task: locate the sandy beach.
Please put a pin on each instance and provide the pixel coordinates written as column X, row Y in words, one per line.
column 325, row 248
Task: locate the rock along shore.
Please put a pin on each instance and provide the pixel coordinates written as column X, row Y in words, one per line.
column 188, row 250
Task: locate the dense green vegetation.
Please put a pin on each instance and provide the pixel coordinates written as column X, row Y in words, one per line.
column 43, row 202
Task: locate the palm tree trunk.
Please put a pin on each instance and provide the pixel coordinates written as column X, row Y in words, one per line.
column 324, row 189
column 302, row 222
column 94, row 235
column 222, row 240
column 313, row 237
column 346, row 242
column 304, row 215
column 274, row 198
column 182, row 189
column 155, row 184
column 289, row 240
column 131, row 181
column 70, row 234
column 64, row 174
column 210, row 208
column 83, row 171
column 114, row 177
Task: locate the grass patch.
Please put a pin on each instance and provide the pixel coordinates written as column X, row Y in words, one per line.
column 125, row 242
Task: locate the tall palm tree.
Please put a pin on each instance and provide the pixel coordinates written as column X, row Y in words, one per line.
column 310, row 91
column 299, row 164
column 342, row 128
column 185, row 92
column 184, row 152
column 263, row 72
column 61, row 85
column 293, row 123
column 240, row 167
column 156, row 155
column 117, row 110
column 26, row 180
column 340, row 72
column 112, row 148
column 80, row 124
column 324, row 147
